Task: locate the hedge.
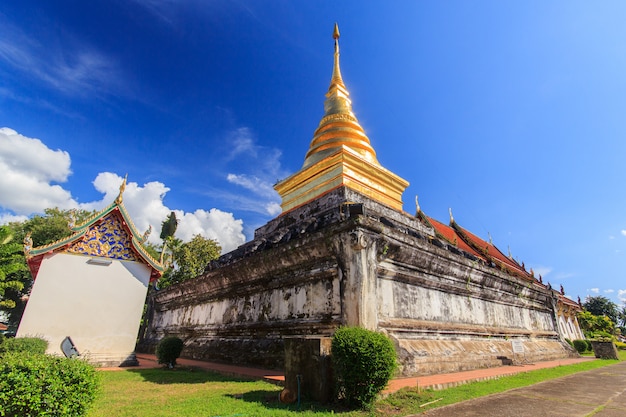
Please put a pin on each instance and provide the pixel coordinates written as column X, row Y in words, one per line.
column 33, row 345
column 43, row 385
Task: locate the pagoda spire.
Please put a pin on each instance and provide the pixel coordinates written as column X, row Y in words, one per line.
column 339, row 126
column 340, row 155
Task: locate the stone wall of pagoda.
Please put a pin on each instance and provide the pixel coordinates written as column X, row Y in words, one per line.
column 332, row 263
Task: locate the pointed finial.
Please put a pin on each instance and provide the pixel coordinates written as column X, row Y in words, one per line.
column 336, row 76
column 490, row 238
column 118, row 200
column 417, row 206
column 510, row 256
column 451, row 216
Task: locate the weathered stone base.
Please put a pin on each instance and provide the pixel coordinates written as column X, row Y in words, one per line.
column 333, row 262
column 428, row 357
column 106, row 360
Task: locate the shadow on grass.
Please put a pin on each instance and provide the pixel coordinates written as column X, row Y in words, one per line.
column 269, row 399
column 183, row 375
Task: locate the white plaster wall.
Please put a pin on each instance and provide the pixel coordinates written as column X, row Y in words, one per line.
column 403, row 301
column 98, row 306
column 308, row 301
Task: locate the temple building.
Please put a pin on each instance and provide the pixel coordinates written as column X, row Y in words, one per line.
column 91, row 287
column 343, row 252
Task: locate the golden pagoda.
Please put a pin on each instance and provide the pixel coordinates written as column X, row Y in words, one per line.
column 340, row 154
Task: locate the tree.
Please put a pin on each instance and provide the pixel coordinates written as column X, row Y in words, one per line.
column 12, row 267
column 189, row 259
column 590, row 323
column 168, row 228
column 602, row 306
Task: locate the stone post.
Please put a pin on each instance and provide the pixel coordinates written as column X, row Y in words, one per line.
column 307, row 370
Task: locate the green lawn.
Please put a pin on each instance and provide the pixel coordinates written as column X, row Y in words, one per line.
column 194, row 393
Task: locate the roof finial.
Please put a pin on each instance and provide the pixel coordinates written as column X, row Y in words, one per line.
column 451, row 216
column 417, row 206
column 336, row 78
column 118, row 200
column 490, row 238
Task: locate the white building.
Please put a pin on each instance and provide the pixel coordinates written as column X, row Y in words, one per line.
column 91, row 286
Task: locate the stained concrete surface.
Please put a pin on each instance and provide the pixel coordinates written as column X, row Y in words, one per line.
column 599, row 393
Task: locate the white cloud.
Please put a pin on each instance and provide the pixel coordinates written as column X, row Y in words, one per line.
column 6, row 218
column 29, row 170
column 621, row 294
column 29, row 167
column 145, row 206
column 609, row 291
column 594, row 290
column 623, row 232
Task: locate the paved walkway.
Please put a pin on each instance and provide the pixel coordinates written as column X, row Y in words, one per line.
column 599, row 393
column 433, row 381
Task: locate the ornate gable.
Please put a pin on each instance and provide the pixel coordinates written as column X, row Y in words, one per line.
column 107, row 238
column 107, row 234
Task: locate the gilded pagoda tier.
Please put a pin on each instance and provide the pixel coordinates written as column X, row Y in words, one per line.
column 340, row 154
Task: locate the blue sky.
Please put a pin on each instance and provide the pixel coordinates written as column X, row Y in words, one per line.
column 510, row 113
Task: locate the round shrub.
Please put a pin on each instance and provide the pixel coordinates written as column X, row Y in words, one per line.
column 580, row 345
column 363, row 362
column 169, row 349
column 34, row 345
column 44, row 385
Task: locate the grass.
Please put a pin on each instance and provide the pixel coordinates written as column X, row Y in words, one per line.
column 188, row 392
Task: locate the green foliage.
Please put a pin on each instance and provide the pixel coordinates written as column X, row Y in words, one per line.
column 24, row 345
column 620, row 345
column 602, row 306
column 12, row 266
column 363, row 362
column 600, row 336
column 169, row 226
column 44, row 385
column 169, row 349
column 189, row 259
column 590, row 323
column 580, row 345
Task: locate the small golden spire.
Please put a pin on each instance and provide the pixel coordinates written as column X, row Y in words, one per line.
column 417, row 206
column 336, row 70
column 451, row 216
column 118, row 200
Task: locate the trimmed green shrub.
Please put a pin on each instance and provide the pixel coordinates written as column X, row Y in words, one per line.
column 34, row 345
column 169, row 349
column 44, row 385
column 569, row 342
column 580, row 345
column 363, row 362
